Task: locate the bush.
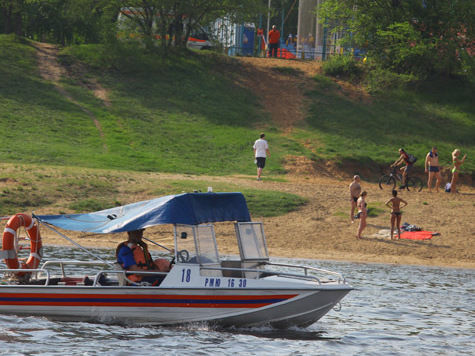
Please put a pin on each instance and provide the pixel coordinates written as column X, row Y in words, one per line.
column 378, row 79
column 343, row 66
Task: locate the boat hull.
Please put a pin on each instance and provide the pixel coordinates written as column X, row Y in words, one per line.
column 278, row 307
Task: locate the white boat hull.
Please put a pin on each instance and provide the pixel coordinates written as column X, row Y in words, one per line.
column 279, row 307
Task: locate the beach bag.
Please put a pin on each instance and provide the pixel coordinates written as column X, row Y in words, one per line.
column 447, row 187
column 411, row 158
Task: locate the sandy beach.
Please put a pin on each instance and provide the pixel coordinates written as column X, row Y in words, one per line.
column 322, row 229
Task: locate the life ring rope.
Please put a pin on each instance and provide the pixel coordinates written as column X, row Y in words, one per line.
column 9, row 243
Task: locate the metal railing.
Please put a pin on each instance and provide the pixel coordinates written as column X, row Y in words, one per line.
column 305, row 276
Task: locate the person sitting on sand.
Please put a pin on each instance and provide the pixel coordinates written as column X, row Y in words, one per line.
column 395, row 205
column 362, row 213
column 455, row 171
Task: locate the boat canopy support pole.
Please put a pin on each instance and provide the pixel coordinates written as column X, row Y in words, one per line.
column 75, row 243
column 156, row 243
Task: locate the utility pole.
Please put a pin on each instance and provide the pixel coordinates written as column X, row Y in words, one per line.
column 268, row 21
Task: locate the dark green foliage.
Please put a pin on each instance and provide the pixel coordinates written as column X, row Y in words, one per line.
column 411, row 37
column 342, row 66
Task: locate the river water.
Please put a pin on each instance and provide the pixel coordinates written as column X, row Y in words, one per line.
column 394, row 310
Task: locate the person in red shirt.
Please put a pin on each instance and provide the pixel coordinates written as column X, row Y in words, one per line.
column 274, row 39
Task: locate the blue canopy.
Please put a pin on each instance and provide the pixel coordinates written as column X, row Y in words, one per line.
column 187, row 208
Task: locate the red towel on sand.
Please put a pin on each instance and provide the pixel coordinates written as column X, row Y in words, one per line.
column 418, row 235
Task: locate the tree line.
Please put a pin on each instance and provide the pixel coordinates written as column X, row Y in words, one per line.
column 419, row 37
column 93, row 21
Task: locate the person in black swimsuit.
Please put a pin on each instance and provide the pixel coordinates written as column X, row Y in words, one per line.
column 395, row 205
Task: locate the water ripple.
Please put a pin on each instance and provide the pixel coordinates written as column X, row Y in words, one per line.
column 396, row 310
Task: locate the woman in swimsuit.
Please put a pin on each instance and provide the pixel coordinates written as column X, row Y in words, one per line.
column 395, row 205
column 455, row 171
column 362, row 212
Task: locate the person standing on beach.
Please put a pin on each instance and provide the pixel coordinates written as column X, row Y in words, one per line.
column 395, row 205
column 261, row 151
column 355, row 190
column 432, row 168
column 362, row 213
column 455, row 171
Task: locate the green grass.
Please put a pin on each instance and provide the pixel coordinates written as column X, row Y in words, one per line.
column 179, row 114
column 261, row 203
column 439, row 113
column 374, row 210
column 187, row 114
column 72, row 189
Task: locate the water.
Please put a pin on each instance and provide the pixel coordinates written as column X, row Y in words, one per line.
column 395, row 310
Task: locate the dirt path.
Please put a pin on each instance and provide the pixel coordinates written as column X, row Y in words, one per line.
column 52, row 71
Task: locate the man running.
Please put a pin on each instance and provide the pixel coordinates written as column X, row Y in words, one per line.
column 261, row 151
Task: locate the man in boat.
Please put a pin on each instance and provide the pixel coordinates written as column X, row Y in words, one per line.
column 133, row 255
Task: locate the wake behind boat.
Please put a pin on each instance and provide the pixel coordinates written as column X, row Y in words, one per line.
column 200, row 286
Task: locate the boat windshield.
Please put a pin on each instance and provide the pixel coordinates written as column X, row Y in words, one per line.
column 251, row 241
column 196, row 244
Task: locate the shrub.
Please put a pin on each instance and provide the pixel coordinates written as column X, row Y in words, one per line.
column 378, row 79
column 344, row 66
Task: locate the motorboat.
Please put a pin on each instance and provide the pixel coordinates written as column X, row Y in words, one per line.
column 201, row 285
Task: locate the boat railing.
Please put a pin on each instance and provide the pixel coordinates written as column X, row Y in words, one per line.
column 121, row 273
column 62, row 263
column 25, row 270
column 306, row 270
column 265, row 272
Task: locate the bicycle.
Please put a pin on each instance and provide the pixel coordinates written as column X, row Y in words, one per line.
column 388, row 182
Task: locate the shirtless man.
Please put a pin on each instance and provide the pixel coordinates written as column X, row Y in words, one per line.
column 432, row 168
column 395, row 205
column 355, row 190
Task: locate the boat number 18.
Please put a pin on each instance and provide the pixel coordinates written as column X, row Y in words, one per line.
column 186, row 275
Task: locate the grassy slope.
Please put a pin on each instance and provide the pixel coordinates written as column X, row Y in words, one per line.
column 175, row 116
column 437, row 113
column 183, row 115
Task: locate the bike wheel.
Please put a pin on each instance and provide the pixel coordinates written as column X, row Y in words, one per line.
column 414, row 184
column 387, row 182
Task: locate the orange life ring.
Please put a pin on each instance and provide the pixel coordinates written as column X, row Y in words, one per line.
column 9, row 242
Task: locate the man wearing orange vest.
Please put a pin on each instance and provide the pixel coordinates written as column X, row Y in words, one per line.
column 274, row 38
column 133, row 255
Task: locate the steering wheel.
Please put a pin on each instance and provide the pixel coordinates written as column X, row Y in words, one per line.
column 183, row 256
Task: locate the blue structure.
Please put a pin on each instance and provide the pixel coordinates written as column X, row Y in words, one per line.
column 186, row 208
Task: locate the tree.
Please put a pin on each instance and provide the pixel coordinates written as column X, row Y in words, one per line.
column 12, row 11
column 427, row 36
column 172, row 21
